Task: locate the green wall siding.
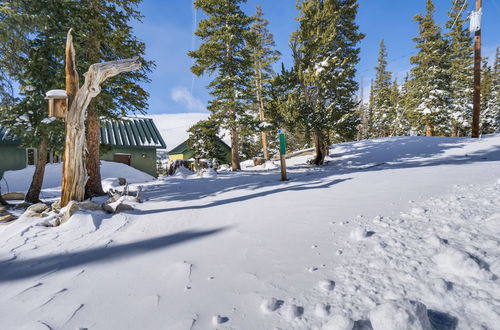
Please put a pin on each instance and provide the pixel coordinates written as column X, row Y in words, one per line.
column 11, row 158
column 146, row 164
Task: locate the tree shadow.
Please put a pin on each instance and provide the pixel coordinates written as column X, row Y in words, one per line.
column 354, row 157
column 300, row 187
column 18, row 269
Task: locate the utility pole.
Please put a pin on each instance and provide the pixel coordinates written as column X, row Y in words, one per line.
column 477, row 78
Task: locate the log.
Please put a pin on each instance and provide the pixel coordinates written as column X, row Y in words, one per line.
column 74, row 169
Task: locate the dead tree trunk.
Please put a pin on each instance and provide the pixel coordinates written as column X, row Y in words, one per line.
column 74, row 169
column 33, row 194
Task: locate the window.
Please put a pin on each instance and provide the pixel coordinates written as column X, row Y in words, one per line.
column 31, row 156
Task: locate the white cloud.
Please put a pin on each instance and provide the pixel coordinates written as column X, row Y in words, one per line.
column 183, row 96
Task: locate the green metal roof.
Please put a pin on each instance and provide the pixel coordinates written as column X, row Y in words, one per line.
column 128, row 132
column 180, row 149
column 131, row 132
column 184, row 146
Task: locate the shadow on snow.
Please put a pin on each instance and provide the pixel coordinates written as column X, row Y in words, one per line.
column 19, row 269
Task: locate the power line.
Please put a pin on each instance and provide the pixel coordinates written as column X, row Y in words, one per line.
column 193, row 41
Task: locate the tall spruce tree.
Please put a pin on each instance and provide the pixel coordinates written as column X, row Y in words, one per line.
column 382, row 110
column 103, row 33
column 36, row 67
column 461, row 61
column 263, row 56
column 490, row 107
column 225, row 54
column 429, row 95
column 325, row 53
column 205, row 142
column 400, row 125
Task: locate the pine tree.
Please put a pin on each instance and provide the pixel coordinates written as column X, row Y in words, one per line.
column 461, row 60
column 263, row 56
column 382, row 110
column 104, row 34
column 325, row 53
column 225, row 55
column 205, row 142
column 400, row 125
column 429, row 96
column 490, row 88
column 36, row 68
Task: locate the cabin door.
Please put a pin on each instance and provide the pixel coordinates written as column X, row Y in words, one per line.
column 122, row 158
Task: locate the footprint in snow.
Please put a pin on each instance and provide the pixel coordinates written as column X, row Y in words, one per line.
column 292, row 311
column 326, row 285
column 217, row 319
column 270, row 305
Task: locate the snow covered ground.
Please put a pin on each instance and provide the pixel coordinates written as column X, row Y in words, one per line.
column 335, row 247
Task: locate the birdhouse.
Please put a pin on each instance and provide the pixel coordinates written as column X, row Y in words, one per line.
column 58, row 103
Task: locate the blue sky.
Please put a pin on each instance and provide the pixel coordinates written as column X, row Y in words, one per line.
column 168, row 25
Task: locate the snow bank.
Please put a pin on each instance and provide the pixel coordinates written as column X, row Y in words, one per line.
column 20, row 180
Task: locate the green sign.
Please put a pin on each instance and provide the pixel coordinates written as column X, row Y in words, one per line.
column 282, row 144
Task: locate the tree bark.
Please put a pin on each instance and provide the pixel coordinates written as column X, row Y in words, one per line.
column 319, row 147
column 260, row 101
column 429, row 130
column 94, row 185
column 74, row 169
column 33, row 194
column 235, row 157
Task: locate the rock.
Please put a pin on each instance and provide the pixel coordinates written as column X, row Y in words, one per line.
column 122, row 181
column 22, row 205
column 400, row 314
column 56, row 206
column 89, row 206
column 68, row 211
column 113, row 198
column 3, row 209
column 116, row 207
column 6, row 218
column 37, row 208
column 108, row 208
column 13, row 196
column 258, row 161
column 30, row 214
column 124, row 207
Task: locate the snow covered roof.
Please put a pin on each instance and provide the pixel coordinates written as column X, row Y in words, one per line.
column 56, row 93
column 131, row 132
column 184, row 146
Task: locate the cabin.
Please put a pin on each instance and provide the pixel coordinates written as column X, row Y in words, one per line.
column 184, row 152
column 131, row 141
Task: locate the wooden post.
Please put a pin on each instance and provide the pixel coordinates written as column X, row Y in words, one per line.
column 282, row 154
column 476, row 109
column 74, row 169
